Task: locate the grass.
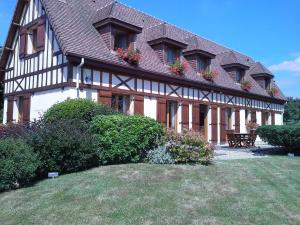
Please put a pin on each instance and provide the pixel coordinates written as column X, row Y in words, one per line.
column 255, row 191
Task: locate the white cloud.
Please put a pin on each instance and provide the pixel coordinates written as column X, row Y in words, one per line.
column 291, row 66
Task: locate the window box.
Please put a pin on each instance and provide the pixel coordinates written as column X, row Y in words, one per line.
column 178, row 67
column 273, row 91
column 246, row 85
column 209, row 75
column 130, row 55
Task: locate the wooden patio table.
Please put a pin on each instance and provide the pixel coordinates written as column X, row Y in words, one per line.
column 241, row 140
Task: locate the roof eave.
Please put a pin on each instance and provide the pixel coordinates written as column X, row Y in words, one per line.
column 169, row 41
column 238, row 65
column 74, row 58
column 117, row 22
column 199, row 52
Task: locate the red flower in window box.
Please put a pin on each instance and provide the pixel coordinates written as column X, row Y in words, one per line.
column 130, row 55
column 209, row 75
column 246, row 85
column 273, row 91
column 178, row 67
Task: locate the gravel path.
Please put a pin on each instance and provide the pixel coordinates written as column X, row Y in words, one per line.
column 222, row 154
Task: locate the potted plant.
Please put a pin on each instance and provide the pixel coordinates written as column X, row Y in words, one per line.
column 209, row 75
column 246, row 85
column 273, row 91
column 130, row 55
column 178, row 67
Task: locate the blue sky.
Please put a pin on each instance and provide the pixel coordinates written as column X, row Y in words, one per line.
column 268, row 31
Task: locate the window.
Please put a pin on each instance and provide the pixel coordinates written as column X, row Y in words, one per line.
column 239, row 76
column 172, row 55
column 32, row 41
column 172, row 115
column 120, row 103
column 203, row 120
column 20, row 109
column 228, row 125
column 267, row 84
column 121, row 41
column 202, row 64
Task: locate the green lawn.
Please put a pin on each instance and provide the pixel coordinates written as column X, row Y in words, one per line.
column 257, row 191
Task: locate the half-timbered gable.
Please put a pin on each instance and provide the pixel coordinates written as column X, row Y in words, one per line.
column 59, row 49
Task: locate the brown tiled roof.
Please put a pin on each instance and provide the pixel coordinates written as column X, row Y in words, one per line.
column 73, row 21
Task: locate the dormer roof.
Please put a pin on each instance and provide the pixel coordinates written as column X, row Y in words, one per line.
column 231, row 59
column 196, row 46
column 164, row 32
column 114, row 14
column 260, row 70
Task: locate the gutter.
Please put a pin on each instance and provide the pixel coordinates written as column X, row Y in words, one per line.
column 77, row 76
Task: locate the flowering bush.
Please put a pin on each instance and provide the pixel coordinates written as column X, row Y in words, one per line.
column 130, row 55
column 252, row 125
column 209, row 75
column 178, row 67
column 188, row 147
column 246, row 85
column 273, row 91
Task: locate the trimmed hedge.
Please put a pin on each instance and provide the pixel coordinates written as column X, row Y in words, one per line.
column 286, row 136
column 81, row 109
column 125, row 139
column 64, row 146
column 18, row 164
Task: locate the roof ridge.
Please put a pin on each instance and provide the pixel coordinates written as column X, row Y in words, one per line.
column 113, row 2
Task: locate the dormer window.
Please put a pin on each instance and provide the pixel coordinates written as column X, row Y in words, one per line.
column 121, row 40
column 202, row 64
column 171, row 55
column 239, row 75
column 267, row 83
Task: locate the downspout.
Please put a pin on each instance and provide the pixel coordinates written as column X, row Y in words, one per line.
column 77, row 76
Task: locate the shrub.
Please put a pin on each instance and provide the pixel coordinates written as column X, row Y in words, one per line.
column 160, row 155
column 64, row 146
column 125, row 139
column 18, row 163
column 188, row 147
column 12, row 130
column 81, row 109
column 286, row 136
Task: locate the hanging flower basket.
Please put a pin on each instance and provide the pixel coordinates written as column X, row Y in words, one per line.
column 273, row 91
column 209, row 75
column 130, row 55
column 178, row 67
column 246, row 85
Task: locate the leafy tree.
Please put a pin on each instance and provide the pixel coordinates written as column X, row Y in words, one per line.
column 292, row 111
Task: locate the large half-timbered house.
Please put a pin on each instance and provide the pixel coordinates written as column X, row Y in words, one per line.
column 59, row 49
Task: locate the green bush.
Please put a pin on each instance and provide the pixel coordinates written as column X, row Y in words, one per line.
column 125, row 139
column 160, row 155
column 81, row 109
column 188, row 147
column 64, row 146
column 18, row 163
column 286, row 136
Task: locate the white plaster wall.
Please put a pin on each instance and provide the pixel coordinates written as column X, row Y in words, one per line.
column 179, row 119
column 5, row 111
column 209, row 124
column 190, row 116
column 131, row 106
column 258, row 118
column 41, row 101
column 242, row 121
column 150, row 107
column 232, row 119
column 278, row 119
column 15, row 111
